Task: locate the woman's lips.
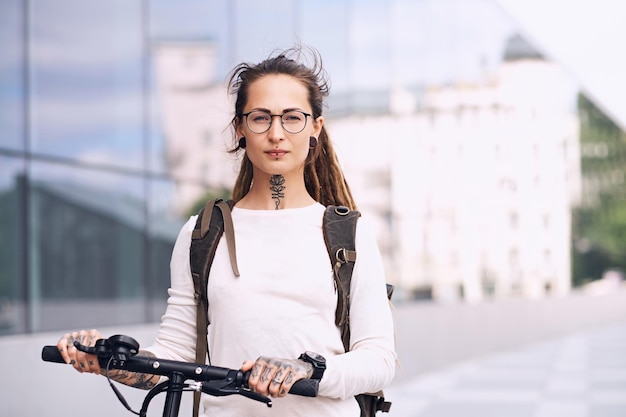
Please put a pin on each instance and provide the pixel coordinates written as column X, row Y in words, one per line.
column 276, row 153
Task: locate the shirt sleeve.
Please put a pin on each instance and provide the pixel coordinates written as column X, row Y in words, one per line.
column 176, row 339
column 370, row 364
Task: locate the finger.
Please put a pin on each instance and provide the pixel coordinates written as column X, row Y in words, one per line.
column 261, row 375
column 62, row 346
column 88, row 363
column 74, row 353
column 255, row 373
column 82, row 337
column 73, row 337
column 93, row 365
column 92, row 336
column 276, row 383
column 247, row 365
column 92, row 362
column 71, row 349
column 291, row 378
column 255, row 376
column 84, row 361
column 263, row 385
column 81, row 363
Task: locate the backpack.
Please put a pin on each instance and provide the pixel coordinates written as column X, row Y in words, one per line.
column 339, row 228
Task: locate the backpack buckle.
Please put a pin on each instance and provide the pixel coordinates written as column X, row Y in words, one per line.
column 340, row 256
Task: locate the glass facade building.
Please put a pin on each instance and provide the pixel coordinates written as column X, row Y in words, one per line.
column 81, row 240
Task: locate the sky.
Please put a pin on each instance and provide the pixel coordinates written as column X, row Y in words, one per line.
column 586, row 37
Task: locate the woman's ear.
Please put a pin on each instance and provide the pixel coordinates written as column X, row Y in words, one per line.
column 237, row 124
column 317, row 126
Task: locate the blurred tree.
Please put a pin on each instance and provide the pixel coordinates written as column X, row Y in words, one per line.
column 223, row 193
column 599, row 223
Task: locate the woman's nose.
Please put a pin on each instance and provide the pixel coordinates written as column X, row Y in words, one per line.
column 276, row 131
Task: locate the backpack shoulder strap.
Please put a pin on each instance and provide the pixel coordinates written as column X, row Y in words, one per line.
column 213, row 221
column 339, row 227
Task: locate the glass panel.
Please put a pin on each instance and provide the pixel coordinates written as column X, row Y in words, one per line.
column 87, row 240
column 166, row 220
column 87, row 80
column 12, row 312
column 197, row 59
column 11, row 75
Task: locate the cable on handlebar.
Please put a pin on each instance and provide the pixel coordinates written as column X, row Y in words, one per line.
column 159, row 388
column 156, row 390
column 117, row 392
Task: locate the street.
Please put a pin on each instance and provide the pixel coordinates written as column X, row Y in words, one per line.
column 579, row 375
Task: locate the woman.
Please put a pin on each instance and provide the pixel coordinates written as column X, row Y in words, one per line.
column 283, row 303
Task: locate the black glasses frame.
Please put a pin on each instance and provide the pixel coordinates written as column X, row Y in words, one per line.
column 282, row 122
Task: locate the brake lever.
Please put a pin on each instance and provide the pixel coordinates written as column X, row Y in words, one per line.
column 255, row 396
column 221, row 388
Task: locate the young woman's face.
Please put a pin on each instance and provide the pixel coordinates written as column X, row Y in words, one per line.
column 278, row 151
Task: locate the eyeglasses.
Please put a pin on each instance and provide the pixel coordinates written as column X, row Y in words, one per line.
column 293, row 121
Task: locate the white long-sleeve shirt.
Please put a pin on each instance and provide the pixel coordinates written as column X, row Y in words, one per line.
column 282, row 304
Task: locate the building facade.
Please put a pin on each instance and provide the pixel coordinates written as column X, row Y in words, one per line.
column 474, row 187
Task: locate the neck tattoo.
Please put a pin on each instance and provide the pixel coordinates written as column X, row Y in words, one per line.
column 277, row 182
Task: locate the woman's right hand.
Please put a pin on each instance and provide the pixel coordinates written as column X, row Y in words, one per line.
column 275, row 377
column 81, row 361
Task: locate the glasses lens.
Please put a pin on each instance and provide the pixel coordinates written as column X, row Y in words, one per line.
column 259, row 121
column 294, row 121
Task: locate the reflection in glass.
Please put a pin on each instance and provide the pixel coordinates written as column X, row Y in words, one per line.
column 87, row 247
column 12, row 288
column 163, row 226
column 11, row 75
column 86, row 66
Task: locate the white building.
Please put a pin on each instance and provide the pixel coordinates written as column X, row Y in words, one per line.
column 474, row 188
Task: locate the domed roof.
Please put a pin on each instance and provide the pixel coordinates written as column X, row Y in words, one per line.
column 518, row 48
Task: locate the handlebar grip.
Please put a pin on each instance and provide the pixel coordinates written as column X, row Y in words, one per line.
column 305, row 387
column 51, row 354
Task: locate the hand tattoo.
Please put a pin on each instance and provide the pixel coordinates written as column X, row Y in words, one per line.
column 134, row 379
column 255, row 370
column 266, row 374
column 277, row 182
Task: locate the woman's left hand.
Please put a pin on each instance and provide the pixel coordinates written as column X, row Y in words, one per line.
column 273, row 376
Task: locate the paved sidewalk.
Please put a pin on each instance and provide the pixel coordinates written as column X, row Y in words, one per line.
column 581, row 375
